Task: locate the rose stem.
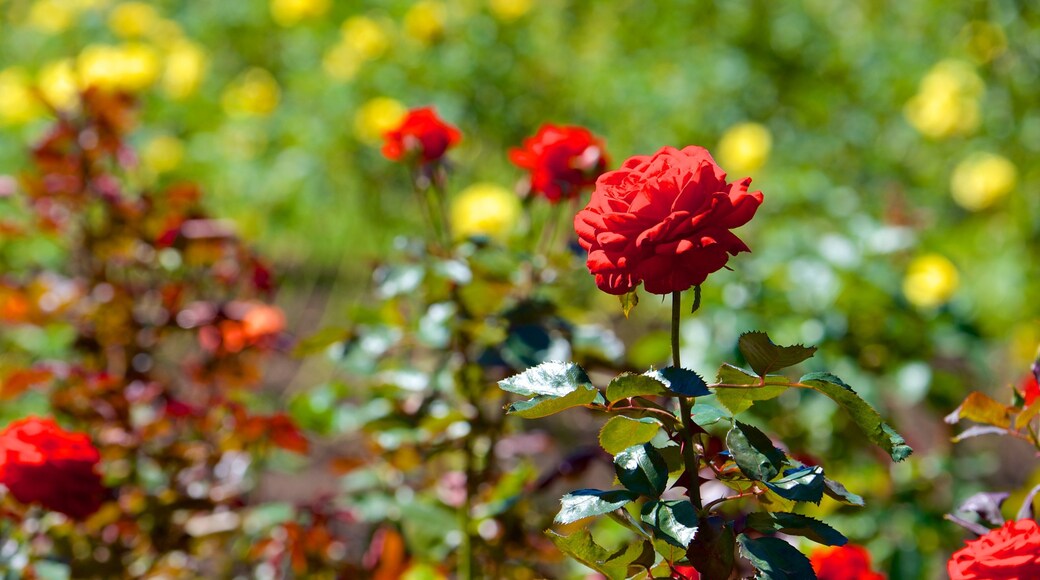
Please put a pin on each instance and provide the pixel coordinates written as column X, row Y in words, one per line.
column 689, row 454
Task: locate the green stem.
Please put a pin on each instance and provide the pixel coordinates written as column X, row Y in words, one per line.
column 689, row 454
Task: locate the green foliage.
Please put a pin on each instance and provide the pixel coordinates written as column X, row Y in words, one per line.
column 673, row 521
column 621, row 432
column 795, row 525
column 681, row 381
column 753, row 452
column 799, row 484
column 622, row 563
column 551, row 378
column 775, row 559
column 642, row 469
column 585, row 503
column 545, row 405
column 627, row 385
column 766, row 357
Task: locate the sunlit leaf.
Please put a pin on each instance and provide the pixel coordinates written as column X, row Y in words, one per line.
column 553, row 378
column 642, row 469
column 681, row 381
column 766, row 357
column 627, row 385
column 545, row 405
column 629, row 301
column 614, row 565
column 753, row 452
column 799, row 484
column 620, row 433
column 585, row 503
column 674, row 521
column 981, row 408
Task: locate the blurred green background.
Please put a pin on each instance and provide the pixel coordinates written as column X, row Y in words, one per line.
column 893, row 142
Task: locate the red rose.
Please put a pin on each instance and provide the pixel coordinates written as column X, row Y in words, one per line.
column 685, row 573
column 664, row 221
column 561, row 160
column 41, row 463
column 848, row 562
column 421, row 134
column 1030, row 389
column 1011, row 552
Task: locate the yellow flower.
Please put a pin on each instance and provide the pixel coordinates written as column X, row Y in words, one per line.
column 254, row 93
column 484, row 209
column 424, row 21
column 930, row 281
column 130, row 67
column 745, row 147
column 342, row 62
column 133, row 19
column 58, row 84
column 162, row 154
column 17, row 102
column 365, row 36
column 509, row 9
column 947, row 101
column 185, row 67
column 52, row 16
column 982, row 179
column 376, row 117
column 290, row 12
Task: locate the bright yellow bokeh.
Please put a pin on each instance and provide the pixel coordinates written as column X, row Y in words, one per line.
column 130, row 67
column 509, row 9
column 133, row 19
column 376, row 117
column 57, row 82
column 744, row 148
column 947, row 101
column 367, row 37
column 17, row 103
column 484, row 209
column 254, row 93
column 162, row 154
column 291, row 12
column 424, row 21
column 185, row 68
column 342, row 62
column 52, row 16
column 981, row 180
column 930, row 281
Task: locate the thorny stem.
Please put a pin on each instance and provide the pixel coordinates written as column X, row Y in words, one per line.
column 688, row 452
column 751, row 492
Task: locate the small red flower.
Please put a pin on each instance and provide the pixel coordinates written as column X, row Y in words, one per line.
column 1011, row 551
column 663, row 221
column 421, row 134
column 848, row 562
column 562, row 161
column 43, row 464
column 685, row 573
column 1030, row 389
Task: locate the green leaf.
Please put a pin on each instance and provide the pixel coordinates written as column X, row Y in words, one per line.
column 865, row 417
column 642, row 469
column 545, row 405
column 981, row 408
column 731, row 375
column 837, row 492
column 743, row 389
column 704, row 414
column 674, row 521
column 681, row 381
column 620, row 433
column 1027, row 415
column 553, row 378
column 766, row 357
column 775, row 559
column 627, row 385
column 629, row 301
column 320, row 341
column 618, row 565
column 799, row 484
column 753, row 452
column 585, row 503
column 713, row 550
column 796, row 525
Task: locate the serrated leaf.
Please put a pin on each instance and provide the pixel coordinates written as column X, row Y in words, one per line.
column 837, row 492
column 796, row 525
column 627, row 385
column 863, row 415
column 614, row 565
column 545, row 405
column 766, row 357
column 620, row 433
column 740, row 399
column 681, row 381
column 775, row 559
column 799, row 484
column 642, row 469
column 731, row 375
column 981, row 408
column 753, row 452
column 976, row 430
column 629, row 301
column 713, row 550
column 704, row 414
column 553, row 378
column 585, row 503
column 674, row 521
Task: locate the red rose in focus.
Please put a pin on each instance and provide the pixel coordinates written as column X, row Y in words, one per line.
column 664, row 221
column 848, row 562
column 561, row 160
column 421, row 134
column 1011, row 551
column 1030, row 389
column 43, row 464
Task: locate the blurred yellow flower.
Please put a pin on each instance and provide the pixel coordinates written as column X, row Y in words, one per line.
column 947, row 101
column 509, row 9
column 129, row 67
column 930, row 281
column 484, row 209
column 254, row 93
column 365, row 36
column 162, row 154
column 376, row 117
column 17, row 102
column 185, row 68
column 982, row 179
column 58, row 84
column 985, row 40
column 133, row 19
column 52, row 16
column 745, row 148
column 342, row 62
column 424, row 21
column 290, row 12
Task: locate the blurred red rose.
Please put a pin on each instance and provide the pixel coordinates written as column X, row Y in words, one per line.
column 685, row 573
column 1011, row 551
column 43, row 464
column 664, row 221
column 421, row 134
column 561, row 160
column 848, row 562
column 1030, row 389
